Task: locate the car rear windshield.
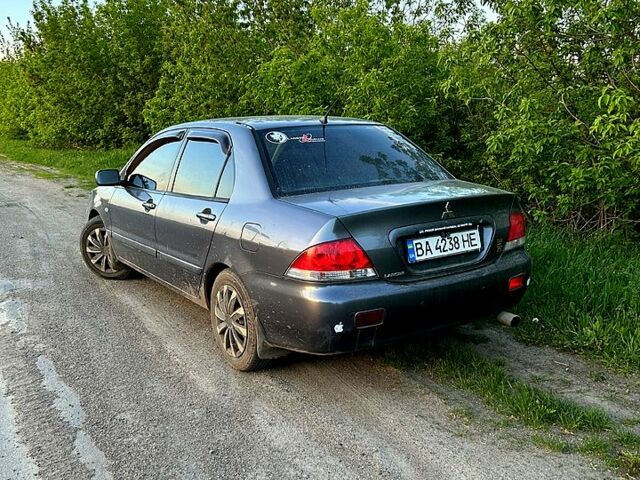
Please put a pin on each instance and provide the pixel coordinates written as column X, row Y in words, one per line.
column 335, row 157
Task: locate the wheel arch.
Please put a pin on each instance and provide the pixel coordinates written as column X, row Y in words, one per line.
column 210, row 277
column 93, row 213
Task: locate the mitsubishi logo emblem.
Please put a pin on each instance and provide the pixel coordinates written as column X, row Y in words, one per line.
column 447, row 213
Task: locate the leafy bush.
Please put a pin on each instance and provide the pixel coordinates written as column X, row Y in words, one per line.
column 208, row 55
column 15, row 101
column 361, row 65
column 554, row 93
column 544, row 101
column 88, row 71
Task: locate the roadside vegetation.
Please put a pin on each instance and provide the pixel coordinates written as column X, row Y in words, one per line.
column 584, row 296
column 544, row 100
column 79, row 163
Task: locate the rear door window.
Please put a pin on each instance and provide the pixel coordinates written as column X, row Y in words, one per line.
column 225, row 187
column 199, row 169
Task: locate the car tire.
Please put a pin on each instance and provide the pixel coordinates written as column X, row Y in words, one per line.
column 233, row 322
column 97, row 253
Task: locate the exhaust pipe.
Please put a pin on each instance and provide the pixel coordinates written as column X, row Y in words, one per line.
column 509, row 319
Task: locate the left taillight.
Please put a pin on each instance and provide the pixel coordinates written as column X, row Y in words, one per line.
column 517, row 230
column 338, row 260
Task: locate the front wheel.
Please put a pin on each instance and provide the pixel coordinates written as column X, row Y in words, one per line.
column 95, row 245
column 234, row 323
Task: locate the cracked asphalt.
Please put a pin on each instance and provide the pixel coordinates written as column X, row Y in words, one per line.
column 121, row 379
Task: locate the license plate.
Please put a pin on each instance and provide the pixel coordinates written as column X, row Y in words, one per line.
column 427, row 248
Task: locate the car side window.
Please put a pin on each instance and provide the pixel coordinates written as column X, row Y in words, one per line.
column 225, row 187
column 154, row 171
column 199, row 168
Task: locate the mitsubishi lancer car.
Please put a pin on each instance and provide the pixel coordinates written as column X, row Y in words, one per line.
column 307, row 234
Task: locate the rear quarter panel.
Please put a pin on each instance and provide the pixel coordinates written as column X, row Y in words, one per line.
column 283, row 232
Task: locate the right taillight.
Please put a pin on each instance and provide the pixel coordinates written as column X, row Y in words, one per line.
column 517, row 230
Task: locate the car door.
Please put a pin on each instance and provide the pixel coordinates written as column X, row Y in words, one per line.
column 187, row 217
column 133, row 206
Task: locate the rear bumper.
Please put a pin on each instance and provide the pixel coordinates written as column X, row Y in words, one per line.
column 319, row 319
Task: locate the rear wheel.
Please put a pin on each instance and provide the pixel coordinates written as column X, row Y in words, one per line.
column 95, row 245
column 234, row 323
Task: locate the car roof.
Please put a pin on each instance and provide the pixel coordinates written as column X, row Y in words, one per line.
column 273, row 121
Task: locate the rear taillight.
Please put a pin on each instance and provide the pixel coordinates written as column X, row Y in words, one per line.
column 517, row 230
column 332, row 261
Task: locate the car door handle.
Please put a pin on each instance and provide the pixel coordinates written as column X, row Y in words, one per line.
column 149, row 205
column 206, row 216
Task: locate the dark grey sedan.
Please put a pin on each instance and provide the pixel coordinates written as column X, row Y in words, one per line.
column 307, row 234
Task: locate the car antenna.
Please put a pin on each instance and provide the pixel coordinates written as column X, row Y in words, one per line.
column 325, row 118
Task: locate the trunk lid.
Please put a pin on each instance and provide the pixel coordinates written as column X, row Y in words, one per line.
column 383, row 218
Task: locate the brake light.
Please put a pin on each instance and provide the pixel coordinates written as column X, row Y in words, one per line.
column 517, row 230
column 330, row 261
column 517, row 282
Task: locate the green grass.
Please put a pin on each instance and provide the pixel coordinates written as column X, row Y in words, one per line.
column 81, row 164
column 585, row 295
column 559, row 425
column 609, row 447
column 551, row 442
column 453, row 361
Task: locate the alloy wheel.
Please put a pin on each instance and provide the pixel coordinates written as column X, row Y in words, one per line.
column 98, row 248
column 231, row 321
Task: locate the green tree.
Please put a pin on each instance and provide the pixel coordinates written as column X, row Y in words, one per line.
column 90, row 70
column 552, row 89
column 544, row 101
column 209, row 52
column 15, row 101
column 361, row 62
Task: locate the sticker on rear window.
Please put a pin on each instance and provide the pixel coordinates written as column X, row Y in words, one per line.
column 276, row 137
column 308, row 138
column 280, row 137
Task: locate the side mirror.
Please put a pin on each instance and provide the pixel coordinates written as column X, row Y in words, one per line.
column 107, row 177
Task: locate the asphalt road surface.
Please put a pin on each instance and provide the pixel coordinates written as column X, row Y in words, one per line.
column 121, row 379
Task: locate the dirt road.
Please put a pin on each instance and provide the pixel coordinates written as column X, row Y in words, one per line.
column 121, row 379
